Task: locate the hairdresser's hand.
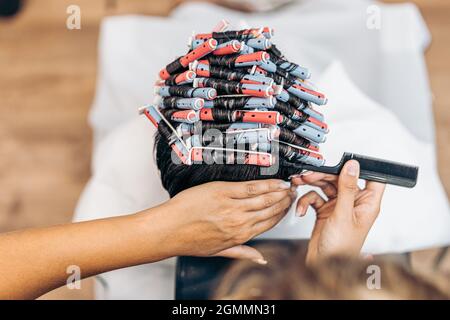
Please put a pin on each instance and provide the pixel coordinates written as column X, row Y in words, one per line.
column 345, row 218
column 216, row 218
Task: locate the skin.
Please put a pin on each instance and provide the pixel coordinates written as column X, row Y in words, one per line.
column 211, row 219
column 344, row 217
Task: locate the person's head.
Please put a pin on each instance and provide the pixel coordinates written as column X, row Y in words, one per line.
column 287, row 277
column 240, row 84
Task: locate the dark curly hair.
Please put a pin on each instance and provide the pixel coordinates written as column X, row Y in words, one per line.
column 178, row 177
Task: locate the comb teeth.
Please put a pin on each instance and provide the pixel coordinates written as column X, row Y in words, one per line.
column 374, row 169
column 386, row 171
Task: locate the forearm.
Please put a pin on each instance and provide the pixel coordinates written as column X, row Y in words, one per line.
column 35, row 261
column 200, row 221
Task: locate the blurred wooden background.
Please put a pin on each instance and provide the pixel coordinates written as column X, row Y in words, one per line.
column 47, row 83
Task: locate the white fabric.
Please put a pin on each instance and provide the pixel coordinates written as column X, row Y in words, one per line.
column 373, row 117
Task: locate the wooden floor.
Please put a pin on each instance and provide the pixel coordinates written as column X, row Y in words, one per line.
column 47, row 82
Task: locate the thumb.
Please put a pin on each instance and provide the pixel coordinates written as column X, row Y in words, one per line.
column 347, row 188
column 242, row 252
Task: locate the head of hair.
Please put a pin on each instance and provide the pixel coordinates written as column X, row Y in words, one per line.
column 287, row 277
column 177, row 177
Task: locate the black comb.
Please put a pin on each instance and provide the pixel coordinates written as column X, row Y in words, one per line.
column 374, row 169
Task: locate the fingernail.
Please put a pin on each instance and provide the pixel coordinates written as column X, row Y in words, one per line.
column 285, row 185
column 352, row 168
column 305, row 173
column 260, row 261
column 367, row 256
column 299, row 211
column 294, row 189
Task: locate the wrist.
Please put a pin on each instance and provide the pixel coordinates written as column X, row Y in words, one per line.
column 161, row 229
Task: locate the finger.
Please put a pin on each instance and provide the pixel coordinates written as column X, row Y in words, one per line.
column 263, row 201
column 326, row 182
column 268, row 224
column 347, row 188
column 276, row 209
column 368, row 257
column 248, row 189
column 377, row 188
column 306, row 178
column 314, row 177
column 328, row 188
column 242, row 252
column 312, row 199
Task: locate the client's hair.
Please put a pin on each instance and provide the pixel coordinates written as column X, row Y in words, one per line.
column 178, row 177
column 287, row 277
